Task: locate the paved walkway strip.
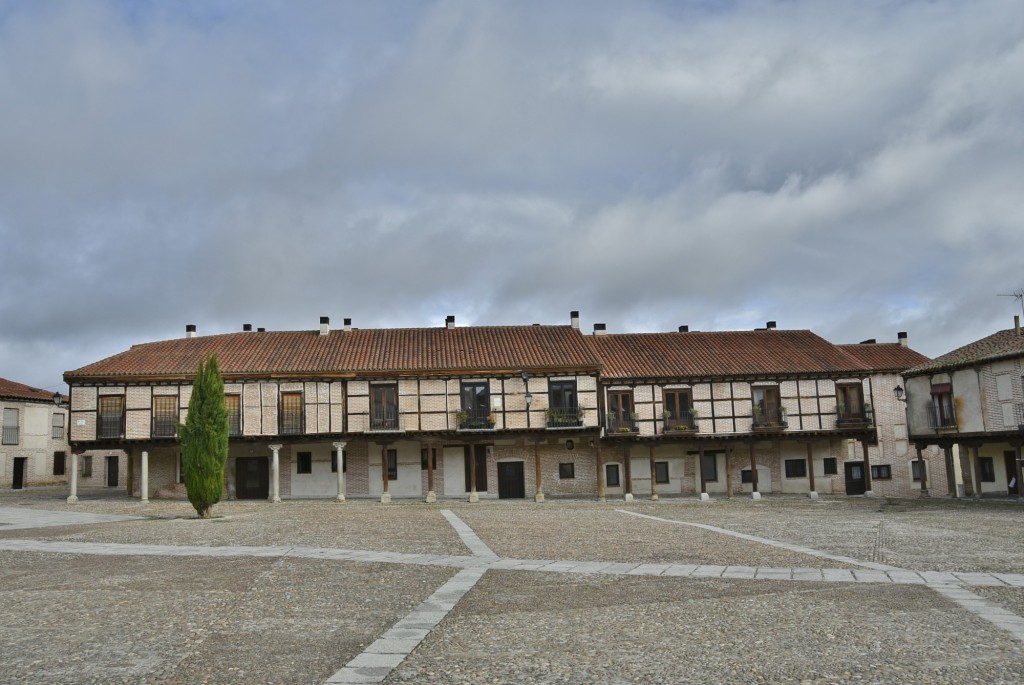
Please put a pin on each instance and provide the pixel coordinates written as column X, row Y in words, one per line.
column 1001, row 618
column 468, row 537
column 765, row 541
column 391, row 648
column 19, row 518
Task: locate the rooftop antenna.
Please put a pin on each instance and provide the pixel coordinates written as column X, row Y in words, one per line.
column 1018, row 294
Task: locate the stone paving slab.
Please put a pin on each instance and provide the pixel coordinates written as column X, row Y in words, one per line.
column 16, row 518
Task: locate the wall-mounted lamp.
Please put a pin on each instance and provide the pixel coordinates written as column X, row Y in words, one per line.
column 57, row 398
column 529, row 400
column 898, row 392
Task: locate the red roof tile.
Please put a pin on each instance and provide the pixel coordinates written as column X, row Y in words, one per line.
column 359, row 351
column 20, row 391
column 1001, row 345
column 885, row 356
column 723, row 354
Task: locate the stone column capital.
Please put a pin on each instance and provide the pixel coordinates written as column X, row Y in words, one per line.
column 339, row 445
column 276, row 448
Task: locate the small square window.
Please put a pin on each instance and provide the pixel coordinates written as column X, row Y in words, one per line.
column 915, row 470
column 611, row 475
column 567, row 471
column 796, row 468
column 661, row 472
column 881, row 471
column 304, row 462
column 830, row 467
column 746, row 476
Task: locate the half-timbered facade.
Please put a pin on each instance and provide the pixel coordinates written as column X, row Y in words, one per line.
column 969, row 403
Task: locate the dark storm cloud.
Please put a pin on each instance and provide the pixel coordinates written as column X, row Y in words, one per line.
column 847, row 167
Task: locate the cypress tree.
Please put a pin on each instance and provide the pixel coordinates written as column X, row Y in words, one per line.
column 204, row 439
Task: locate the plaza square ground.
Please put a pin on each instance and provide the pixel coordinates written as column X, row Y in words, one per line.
column 784, row 590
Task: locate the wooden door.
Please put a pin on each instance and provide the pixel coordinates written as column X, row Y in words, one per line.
column 112, row 472
column 511, row 484
column 252, row 478
column 855, row 484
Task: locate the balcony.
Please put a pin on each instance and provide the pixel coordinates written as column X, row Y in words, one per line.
column 857, row 417
column 621, row 424
column 10, row 435
column 770, row 419
column 291, row 423
column 474, row 420
column 109, row 426
column 685, row 422
column 944, row 419
column 564, row 417
column 384, row 419
column 164, row 427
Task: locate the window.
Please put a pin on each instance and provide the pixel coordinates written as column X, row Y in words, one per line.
column 746, row 476
column 58, row 429
column 423, row 458
column 709, row 467
column 988, row 469
column 915, row 469
column 234, row 405
column 392, row 464
column 334, row 463
column 304, row 462
column 881, row 471
column 110, row 419
column 384, row 407
column 767, row 407
column 678, row 409
column 290, row 421
column 10, row 429
column 661, row 472
column 476, row 410
column 567, row 471
column 850, row 402
column 796, row 468
column 563, row 409
column 611, row 475
column 86, row 467
column 620, row 412
column 943, row 409
column 165, row 416
column 59, row 461
column 830, row 466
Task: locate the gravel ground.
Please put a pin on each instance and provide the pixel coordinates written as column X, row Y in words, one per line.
column 71, row 619
column 515, row 627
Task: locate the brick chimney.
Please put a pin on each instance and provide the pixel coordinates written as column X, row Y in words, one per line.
column 574, row 319
column 348, row 324
column 247, row 328
column 902, row 338
column 684, row 329
column 190, row 330
column 449, row 321
column 600, row 329
column 770, row 326
column 325, row 325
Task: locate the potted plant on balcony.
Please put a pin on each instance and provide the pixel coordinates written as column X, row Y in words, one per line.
column 491, row 420
column 460, row 418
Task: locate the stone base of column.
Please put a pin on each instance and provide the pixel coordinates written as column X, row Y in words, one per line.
column 144, row 499
column 628, row 497
column 601, row 499
column 385, row 498
column 869, row 493
column 705, row 497
column 812, row 494
column 340, row 498
column 654, row 497
column 755, row 495
column 275, row 500
column 924, row 493
column 72, row 499
column 431, row 497
column 474, row 497
column 539, row 497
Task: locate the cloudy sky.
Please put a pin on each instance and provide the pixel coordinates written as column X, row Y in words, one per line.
column 856, row 168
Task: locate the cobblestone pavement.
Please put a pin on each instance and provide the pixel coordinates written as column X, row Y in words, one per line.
column 784, row 590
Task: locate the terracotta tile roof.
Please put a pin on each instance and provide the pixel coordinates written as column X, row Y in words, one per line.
column 20, row 391
column 885, row 356
column 724, row 354
column 1002, row 345
column 359, row 352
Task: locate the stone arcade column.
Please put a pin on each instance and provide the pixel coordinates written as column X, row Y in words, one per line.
column 654, row 479
column 704, row 496
column 627, row 462
column 813, row 494
column 539, row 477
column 923, row 470
column 275, row 474
column 754, row 493
column 340, row 449
column 431, row 459
column 144, row 483
column 73, row 496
